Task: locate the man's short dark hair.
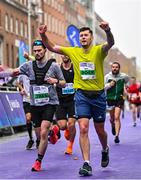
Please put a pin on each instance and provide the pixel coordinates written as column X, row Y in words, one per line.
column 38, row 43
column 116, row 63
column 133, row 77
column 85, row 29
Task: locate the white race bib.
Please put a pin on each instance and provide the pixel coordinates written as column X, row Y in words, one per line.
column 40, row 94
column 133, row 95
column 87, row 70
column 68, row 89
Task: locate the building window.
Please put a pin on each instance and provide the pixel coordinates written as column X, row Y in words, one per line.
column 45, row 18
column 53, row 24
column 48, row 2
column 11, row 24
column 7, row 54
column 52, row 3
column 62, row 29
column 17, row 27
column 22, row 29
column 6, row 22
column 12, row 55
column 49, row 22
column 25, row 31
column 59, row 27
column 33, row 33
column 40, row 19
column 62, row 9
column 1, row 52
column 56, row 25
column 59, row 7
column 55, row 4
column 25, row 2
column 0, row 18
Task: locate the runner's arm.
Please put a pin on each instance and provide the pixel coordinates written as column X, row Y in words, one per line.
column 59, row 82
column 49, row 44
column 109, row 85
column 9, row 73
column 110, row 39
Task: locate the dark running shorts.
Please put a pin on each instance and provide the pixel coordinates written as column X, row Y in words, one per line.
column 65, row 110
column 40, row 113
column 116, row 103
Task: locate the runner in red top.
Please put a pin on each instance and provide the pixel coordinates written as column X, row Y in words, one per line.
column 134, row 98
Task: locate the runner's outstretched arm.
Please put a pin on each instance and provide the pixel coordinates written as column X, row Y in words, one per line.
column 9, row 73
column 49, row 44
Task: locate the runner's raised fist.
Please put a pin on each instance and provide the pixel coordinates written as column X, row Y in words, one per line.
column 42, row 29
column 105, row 26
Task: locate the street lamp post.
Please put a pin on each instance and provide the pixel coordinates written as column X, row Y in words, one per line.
column 29, row 26
column 30, row 11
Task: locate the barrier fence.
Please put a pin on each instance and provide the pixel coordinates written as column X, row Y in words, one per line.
column 11, row 109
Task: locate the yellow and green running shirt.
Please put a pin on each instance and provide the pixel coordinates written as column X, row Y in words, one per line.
column 88, row 67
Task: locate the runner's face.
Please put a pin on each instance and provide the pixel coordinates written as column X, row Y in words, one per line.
column 85, row 38
column 132, row 81
column 115, row 69
column 39, row 52
column 65, row 59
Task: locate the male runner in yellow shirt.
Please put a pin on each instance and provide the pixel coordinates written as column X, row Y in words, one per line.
column 89, row 84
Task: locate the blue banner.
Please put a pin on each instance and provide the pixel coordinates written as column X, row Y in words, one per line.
column 23, row 47
column 13, row 106
column 4, row 122
column 73, row 35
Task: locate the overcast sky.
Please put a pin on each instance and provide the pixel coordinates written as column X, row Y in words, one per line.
column 124, row 18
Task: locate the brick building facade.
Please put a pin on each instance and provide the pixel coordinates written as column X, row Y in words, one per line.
column 57, row 14
column 13, row 29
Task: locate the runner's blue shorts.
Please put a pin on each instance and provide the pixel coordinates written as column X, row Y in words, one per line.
column 93, row 106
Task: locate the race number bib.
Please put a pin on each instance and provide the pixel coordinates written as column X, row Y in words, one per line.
column 40, row 94
column 134, row 95
column 87, row 70
column 68, row 89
